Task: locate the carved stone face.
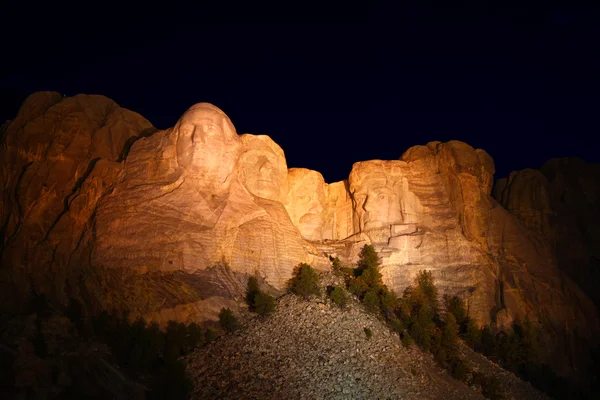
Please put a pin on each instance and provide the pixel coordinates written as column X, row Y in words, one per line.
column 263, row 170
column 376, row 196
column 306, row 202
column 207, row 145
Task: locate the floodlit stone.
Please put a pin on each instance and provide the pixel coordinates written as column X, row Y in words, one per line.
column 99, row 205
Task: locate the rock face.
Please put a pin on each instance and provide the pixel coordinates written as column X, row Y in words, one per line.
column 59, row 156
column 561, row 202
column 97, row 204
column 169, row 225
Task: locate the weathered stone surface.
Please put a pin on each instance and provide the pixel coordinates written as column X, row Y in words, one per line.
column 432, row 210
column 196, row 195
column 306, row 202
column 96, row 204
column 561, row 202
column 319, row 210
column 59, row 157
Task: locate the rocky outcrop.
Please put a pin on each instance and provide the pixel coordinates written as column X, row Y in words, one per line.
column 114, row 213
column 60, row 155
column 97, row 204
column 561, row 202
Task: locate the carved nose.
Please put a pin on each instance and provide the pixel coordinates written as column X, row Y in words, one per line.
column 265, row 168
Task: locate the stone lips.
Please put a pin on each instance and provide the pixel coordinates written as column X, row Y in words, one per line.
column 91, row 201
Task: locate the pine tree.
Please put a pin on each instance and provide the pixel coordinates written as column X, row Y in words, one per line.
column 264, row 304
column 227, row 320
column 450, row 335
column 456, row 306
column 305, row 281
column 367, row 257
column 251, row 290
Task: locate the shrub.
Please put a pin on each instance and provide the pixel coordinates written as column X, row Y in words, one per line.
column 368, row 333
column 194, row 336
column 358, row 287
column 397, row 325
column 490, row 387
column 371, row 301
column 425, row 285
column 264, row 304
column 305, row 281
column 175, row 336
column 456, row 306
column 227, row 320
column 339, row 296
column 423, row 327
column 257, row 300
column 488, row 345
column 372, row 277
column 407, row 340
column 458, row 368
column 450, row 335
column 335, row 262
column 388, row 303
column 251, row 290
column 210, row 335
column 441, row 357
column 472, row 335
column 368, row 257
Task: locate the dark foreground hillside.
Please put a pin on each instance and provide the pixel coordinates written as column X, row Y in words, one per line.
column 314, row 350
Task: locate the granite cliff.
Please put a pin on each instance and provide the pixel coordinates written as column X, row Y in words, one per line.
column 561, row 202
column 98, row 205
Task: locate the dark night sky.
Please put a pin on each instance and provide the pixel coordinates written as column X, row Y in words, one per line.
column 523, row 84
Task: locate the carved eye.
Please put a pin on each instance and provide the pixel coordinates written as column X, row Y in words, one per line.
column 186, row 130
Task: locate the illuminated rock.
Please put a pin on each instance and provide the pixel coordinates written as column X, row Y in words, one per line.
column 98, row 205
column 263, row 169
column 59, row 156
column 196, row 195
column 306, row 202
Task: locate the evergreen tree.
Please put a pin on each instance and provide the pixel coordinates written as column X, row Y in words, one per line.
column 227, row 320
column 335, row 262
column 472, row 335
column 425, row 285
column 371, row 301
column 367, row 257
column 194, row 336
column 257, row 300
column 305, row 281
column 488, row 342
column 388, row 302
column 338, row 296
column 358, row 287
column 264, row 304
column 450, row 335
column 251, row 290
column 456, row 307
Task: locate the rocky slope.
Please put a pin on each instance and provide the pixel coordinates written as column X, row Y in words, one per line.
column 314, row 350
column 98, row 205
